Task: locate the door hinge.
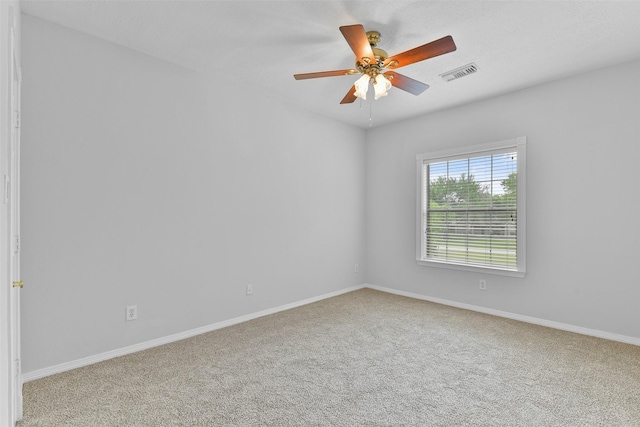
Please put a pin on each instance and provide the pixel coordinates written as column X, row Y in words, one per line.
column 6, row 189
column 16, row 119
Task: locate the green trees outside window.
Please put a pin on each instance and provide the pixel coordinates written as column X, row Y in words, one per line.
column 471, row 212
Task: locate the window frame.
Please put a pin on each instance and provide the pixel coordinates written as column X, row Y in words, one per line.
column 519, row 145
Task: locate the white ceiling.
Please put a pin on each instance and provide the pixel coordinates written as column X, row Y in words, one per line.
column 515, row 44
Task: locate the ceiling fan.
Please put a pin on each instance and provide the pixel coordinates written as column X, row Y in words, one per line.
column 374, row 64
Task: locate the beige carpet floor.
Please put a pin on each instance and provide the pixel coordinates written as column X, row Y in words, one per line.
column 365, row 358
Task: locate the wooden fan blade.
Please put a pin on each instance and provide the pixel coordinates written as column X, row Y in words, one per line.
column 325, row 74
column 406, row 83
column 357, row 39
column 350, row 96
column 420, row 53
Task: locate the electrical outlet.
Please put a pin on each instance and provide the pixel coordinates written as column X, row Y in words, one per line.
column 356, row 268
column 249, row 289
column 132, row 312
column 483, row 284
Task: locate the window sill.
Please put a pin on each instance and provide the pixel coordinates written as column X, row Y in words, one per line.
column 476, row 269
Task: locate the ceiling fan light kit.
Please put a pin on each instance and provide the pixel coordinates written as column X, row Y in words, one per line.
column 373, row 64
column 381, row 86
column 362, row 86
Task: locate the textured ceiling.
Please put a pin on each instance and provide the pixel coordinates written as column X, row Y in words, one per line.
column 515, row 44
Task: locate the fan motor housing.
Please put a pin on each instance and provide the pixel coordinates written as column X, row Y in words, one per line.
column 374, row 38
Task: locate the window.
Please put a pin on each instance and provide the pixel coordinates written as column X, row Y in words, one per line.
column 471, row 208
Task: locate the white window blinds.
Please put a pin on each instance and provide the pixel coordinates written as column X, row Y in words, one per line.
column 471, row 208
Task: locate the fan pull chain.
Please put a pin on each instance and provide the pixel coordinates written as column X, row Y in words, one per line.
column 370, row 115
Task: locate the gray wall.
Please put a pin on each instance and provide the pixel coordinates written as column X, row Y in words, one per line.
column 143, row 184
column 583, row 193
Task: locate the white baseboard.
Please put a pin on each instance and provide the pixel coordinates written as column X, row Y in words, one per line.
column 527, row 319
column 45, row 372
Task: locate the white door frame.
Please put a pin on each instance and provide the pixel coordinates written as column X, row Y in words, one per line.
column 16, row 278
column 10, row 375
